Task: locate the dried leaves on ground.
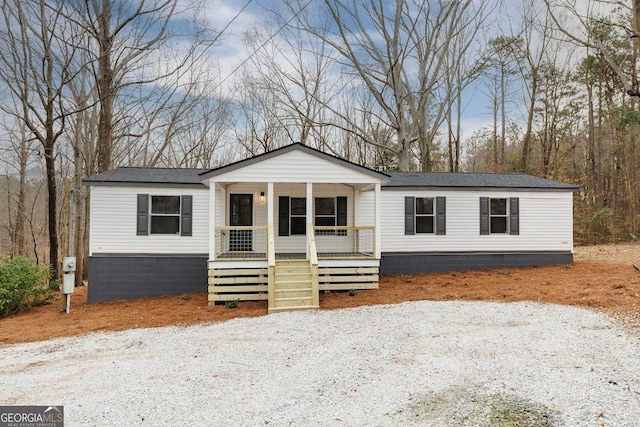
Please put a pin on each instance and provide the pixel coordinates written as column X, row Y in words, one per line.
column 601, row 278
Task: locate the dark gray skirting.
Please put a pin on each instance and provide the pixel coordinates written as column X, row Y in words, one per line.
column 409, row 263
column 119, row 277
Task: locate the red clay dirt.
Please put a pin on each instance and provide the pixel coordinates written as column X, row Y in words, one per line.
column 601, row 278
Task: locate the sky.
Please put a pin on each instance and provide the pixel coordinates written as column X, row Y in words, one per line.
column 237, row 16
column 478, row 114
column 231, row 54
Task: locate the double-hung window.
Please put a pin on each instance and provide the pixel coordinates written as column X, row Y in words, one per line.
column 298, row 215
column 499, row 215
column 328, row 212
column 162, row 214
column 331, row 212
column 292, row 216
column 165, row 215
column 425, row 215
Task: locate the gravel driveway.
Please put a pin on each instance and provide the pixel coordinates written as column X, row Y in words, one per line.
column 419, row 363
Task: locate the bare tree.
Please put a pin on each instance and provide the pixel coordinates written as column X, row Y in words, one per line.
column 17, row 159
column 580, row 26
column 262, row 128
column 395, row 53
column 501, row 69
column 125, row 42
column 35, row 53
column 294, row 70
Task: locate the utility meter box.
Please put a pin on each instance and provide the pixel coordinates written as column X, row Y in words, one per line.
column 69, row 264
column 68, row 283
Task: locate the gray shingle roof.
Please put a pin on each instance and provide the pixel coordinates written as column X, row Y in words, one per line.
column 193, row 177
column 473, row 180
column 139, row 175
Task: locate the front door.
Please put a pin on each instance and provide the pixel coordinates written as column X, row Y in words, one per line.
column 241, row 214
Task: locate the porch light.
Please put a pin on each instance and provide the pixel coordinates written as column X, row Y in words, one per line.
column 262, row 197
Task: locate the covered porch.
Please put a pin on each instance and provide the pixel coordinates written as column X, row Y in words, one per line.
column 290, row 223
column 290, row 261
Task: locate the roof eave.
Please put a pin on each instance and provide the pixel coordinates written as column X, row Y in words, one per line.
column 476, row 188
column 89, row 183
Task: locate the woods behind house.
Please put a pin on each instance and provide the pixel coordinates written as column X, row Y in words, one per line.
column 535, row 86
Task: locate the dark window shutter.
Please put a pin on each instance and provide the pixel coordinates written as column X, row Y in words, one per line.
column 186, row 216
column 142, row 227
column 514, row 216
column 441, row 215
column 341, row 207
column 283, row 216
column 484, row 215
column 409, row 215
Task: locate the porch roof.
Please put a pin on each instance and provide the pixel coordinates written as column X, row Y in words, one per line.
column 379, row 176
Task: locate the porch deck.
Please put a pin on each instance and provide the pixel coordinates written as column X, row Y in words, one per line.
column 246, row 256
column 270, row 275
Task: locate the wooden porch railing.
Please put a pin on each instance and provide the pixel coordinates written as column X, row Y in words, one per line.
column 271, row 261
column 259, row 282
column 256, row 243
column 345, row 241
column 313, row 260
column 241, row 242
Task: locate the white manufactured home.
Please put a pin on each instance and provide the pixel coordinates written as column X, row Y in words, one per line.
column 286, row 224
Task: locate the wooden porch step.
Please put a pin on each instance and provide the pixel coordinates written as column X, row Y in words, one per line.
column 295, row 283
column 293, row 290
column 292, row 308
column 289, row 299
column 292, row 286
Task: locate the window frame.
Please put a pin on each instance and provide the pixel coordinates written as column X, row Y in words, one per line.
column 439, row 207
column 146, row 213
column 504, row 215
column 339, row 215
column 431, row 215
column 292, row 216
column 323, row 216
column 154, row 214
column 512, row 216
column 340, row 207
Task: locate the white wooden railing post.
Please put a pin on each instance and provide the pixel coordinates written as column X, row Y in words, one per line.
column 313, row 261
column 271, row 262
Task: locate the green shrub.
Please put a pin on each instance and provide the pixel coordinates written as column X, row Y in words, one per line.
column 23, row 284
column 231, row 303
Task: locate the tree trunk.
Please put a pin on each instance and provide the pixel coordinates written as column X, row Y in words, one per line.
column 22, row 194
column 52, row 210
column 503, row 119
column 404, row 152
column 526, row 141
column 105, row 89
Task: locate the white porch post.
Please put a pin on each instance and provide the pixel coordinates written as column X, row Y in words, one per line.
column 356, row 205
column 377, row 221
column 270, row 205
column 223, row 207
column 212, row 220
column 309, row 212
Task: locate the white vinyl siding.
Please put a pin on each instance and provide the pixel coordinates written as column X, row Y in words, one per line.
column 546, row 222
column 291, row 243
column 297, row 243
column 113, row 214
column 294, row 167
